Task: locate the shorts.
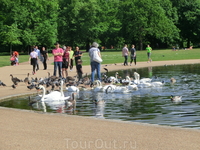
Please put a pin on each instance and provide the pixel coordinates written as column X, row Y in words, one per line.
column 149, row 55
column 65, row 64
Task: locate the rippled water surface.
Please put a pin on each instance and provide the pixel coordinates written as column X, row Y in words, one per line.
column 148, row 105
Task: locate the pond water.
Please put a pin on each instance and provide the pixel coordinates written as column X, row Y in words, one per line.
column 147, row 105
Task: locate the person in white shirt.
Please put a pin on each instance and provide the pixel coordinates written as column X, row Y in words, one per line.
column 33, row 60
column 38, row 53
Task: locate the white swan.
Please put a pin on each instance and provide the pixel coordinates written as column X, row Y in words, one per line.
column 137, row 78
column 53, row 96
column 53, row 93
column 109, row 88
column 157, row 84
column 99, row 87
column 114, row 79
column 72, row 89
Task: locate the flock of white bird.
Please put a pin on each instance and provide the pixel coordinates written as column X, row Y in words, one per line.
column 127, row 85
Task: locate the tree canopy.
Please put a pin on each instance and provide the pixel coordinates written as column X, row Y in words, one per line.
column 162, row 24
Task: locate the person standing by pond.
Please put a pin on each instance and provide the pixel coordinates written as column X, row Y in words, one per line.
column 71, row 57
column 66, row 61
column 44, row 57
column 33, row 60
column 125, row 54
column 133, row 55
column 95, row 66
column 58, row 58
column 38, row 53
column 149, row 49
column 77, row 55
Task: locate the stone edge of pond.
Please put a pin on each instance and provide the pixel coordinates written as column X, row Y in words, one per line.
column 15, row 96
column 101, row 119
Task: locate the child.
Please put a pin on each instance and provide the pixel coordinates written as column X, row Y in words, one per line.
column 79, row 69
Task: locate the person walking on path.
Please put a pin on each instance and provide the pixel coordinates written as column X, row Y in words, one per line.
column 45, row 57
column 33, row 60
column 79, row 69
column 77, row 54
column 125, row 54
column 149, row 49
column 65, row 62
column 38, row 53
column 58, row 58
column 95, row 65
column 133, row 55
column 71, row 56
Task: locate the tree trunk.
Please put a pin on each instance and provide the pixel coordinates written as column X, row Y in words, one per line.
column 10, row 49
column 188, row 42
column 141, row 43
column 87, row 46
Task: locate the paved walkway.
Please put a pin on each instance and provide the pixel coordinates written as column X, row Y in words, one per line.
column 22, row 129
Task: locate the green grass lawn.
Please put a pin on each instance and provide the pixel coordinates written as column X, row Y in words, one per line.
column 111, row 57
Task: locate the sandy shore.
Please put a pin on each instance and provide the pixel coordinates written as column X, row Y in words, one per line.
column 23, row 129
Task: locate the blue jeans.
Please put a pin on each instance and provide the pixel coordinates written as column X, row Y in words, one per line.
column 59, row 66
column 95, row 66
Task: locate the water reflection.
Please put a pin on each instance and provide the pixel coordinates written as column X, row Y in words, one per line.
column 148, row 105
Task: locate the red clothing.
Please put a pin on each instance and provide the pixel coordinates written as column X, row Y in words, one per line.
column 15, row 53
column 66, row 55
column 57, row 58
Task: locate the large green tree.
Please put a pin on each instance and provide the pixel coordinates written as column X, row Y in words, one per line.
column 147, row 18
column 189, row 20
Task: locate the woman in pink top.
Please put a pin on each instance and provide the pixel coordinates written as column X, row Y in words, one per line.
column 58, row 58
column 125, row 54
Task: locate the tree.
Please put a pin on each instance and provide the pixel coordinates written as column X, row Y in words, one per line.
column 189, row 20
column 144, row 18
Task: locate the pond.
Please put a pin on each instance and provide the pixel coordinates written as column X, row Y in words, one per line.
column 147, row 105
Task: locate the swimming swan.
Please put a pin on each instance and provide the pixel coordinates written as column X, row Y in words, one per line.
column 53, row 96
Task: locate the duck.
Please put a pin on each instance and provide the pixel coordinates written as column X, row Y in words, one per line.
column 176, row 98
column 173, row 80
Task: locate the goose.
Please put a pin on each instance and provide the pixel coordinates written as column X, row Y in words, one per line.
column 26, row 80
column 176, row 98
column 54, row 95
column 15, row 80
